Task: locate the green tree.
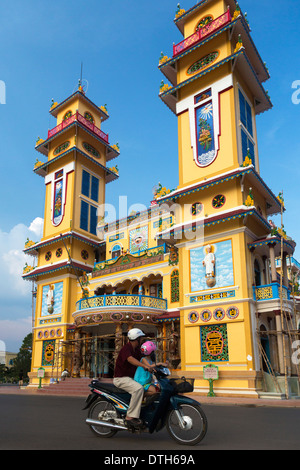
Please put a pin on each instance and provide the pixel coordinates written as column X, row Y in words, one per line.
column 23, row 360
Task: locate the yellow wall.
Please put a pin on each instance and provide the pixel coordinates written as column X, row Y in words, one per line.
column 227, row 158
column 214, row 8
column 81, row 105
column 49, row 229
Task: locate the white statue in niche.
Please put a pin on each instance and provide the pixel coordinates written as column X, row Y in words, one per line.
column 210, row 263
column 50, row 299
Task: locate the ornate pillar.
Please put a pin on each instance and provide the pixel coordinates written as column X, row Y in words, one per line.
column 273, row 264
column 88, row 355
column 77, row 359
column 118, row 340
column 285, row 279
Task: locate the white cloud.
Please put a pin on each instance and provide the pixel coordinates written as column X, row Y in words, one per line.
column 36, row 226
column 12, row 333
column 13, row 259
column 15, row 293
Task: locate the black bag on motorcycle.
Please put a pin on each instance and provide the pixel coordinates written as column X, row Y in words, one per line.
column 182, row 385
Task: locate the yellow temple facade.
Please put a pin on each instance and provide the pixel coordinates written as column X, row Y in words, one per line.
column 197, row 269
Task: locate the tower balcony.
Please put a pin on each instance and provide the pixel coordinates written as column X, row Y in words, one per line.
column 202, row 33
column 82, row 120
column 269, row 300
column 270, row 292
column 119, row 307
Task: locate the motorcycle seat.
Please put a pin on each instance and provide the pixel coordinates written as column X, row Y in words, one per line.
column 108, row 387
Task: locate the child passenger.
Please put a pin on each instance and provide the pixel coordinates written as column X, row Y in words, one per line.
column 143, row 376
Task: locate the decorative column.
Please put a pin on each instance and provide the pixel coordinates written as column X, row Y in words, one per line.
column 285, row 279
column 88, row 355
column 77, row 359
column 273, row 265
column 118, row 340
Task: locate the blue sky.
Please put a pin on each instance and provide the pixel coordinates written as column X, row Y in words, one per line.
column 42, row 46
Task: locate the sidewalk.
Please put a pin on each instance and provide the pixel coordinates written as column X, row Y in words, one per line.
column 204, row 400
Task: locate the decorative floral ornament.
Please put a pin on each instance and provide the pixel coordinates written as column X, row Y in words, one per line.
column 53, row 104
column 280, row 198
column 115, row 169
column 37, row 164
column 161, row 191
column 116, row 147
column 80, row 87
column 239, row 44
column 237, row 12
column 85, row 293
column 29, row 243
column 163, row 58
column 180, row 11
column 248, row 160
column 164, row 87
column 39, row 141
column 173, row 257
column 104, row 108
column 250, row 200
column 275, row 231
column 27, row 269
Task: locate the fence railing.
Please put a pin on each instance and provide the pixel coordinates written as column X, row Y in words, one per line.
column 124, row 300
column 202, row 33
column 270, row 291
column 85, row 122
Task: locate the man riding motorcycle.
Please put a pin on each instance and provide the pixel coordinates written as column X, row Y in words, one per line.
column 128, row 360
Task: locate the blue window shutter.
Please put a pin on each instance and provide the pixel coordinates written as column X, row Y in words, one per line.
column 95, row 189
column 93, row 220
column 242, row 109
column 84, row 214
column 85, row 184
column 251, row 151
column 244, row 144
column 249, row 119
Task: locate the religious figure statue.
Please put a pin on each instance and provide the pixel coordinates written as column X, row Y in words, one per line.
column 209, row 262
column 50, row 299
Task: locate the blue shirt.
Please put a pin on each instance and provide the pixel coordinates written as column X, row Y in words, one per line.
column 143, row 377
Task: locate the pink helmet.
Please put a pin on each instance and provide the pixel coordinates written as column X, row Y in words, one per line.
column 148, row 347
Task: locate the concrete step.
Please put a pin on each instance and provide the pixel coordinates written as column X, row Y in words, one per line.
column 70, row 386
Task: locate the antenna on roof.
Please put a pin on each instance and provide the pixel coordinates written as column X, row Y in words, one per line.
column 82, row 83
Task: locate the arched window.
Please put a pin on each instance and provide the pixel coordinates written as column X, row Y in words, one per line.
column 89, row 117
column 67, row 115
column 116, row 251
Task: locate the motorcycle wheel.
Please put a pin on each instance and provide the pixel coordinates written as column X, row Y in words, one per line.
column 103, row 411
column 195, row 424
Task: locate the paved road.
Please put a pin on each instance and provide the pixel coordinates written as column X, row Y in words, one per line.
column 47, row 422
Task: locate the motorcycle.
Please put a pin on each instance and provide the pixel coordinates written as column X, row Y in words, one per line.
column 183, row 417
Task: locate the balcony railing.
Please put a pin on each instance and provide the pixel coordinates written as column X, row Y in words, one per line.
column 86, row 123
column 124, row 300
column 270, row 292
column 202, row 33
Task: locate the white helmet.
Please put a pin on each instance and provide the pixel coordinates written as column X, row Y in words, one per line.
column 134, row 333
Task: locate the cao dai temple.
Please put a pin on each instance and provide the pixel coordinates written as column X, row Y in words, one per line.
column 203, row 271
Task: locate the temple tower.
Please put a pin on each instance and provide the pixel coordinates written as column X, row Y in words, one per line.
column 221, row 204
column 76, row 172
